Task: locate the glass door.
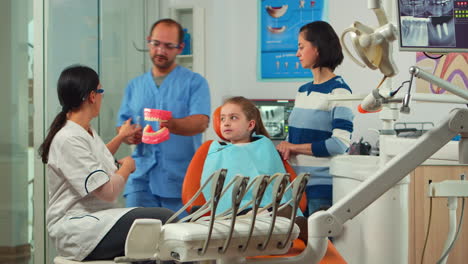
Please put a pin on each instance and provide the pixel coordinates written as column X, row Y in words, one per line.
column 16, row 144
column 101, row 34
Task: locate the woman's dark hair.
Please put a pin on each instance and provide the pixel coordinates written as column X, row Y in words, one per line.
column 251, row 112
column 323, row 36
column 73, row 87
column 170, row 22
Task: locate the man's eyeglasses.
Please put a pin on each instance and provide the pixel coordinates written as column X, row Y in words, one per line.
column 166, row 45
column 99, row 91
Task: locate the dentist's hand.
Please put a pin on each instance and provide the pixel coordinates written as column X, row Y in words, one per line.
column 132, row 133
column 127, row 166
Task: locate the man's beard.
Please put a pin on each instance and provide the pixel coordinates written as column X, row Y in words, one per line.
column 163, row 65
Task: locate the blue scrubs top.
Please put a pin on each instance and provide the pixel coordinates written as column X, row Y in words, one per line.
column 161, row 167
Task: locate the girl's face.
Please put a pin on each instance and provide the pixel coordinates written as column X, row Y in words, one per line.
column 306, row 52
column 234, row 124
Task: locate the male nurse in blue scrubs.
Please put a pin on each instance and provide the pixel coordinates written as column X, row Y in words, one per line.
column 160, row 168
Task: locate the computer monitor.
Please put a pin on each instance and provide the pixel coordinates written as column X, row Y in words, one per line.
column 438, row 26
column 275, row 114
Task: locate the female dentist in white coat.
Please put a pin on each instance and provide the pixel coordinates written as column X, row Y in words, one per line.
column 83, row 179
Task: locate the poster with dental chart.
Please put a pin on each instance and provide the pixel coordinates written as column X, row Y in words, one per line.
column 280, row 22
column 452, row 67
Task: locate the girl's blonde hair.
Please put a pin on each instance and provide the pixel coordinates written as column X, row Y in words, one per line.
column 251, row 112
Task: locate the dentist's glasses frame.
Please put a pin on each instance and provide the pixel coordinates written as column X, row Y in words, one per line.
column 98, row 91
column 154, row 44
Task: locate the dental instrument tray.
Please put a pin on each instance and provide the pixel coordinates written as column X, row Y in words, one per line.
column 412, row 129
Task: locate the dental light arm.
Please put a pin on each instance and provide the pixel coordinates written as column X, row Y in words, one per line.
column 417, row 72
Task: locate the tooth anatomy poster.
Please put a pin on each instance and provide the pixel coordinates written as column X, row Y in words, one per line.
column 453, row 67
column 280, row 22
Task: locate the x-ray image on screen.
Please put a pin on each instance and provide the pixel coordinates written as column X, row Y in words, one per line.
column 433, row 25
column 273, row 119
column 275, row 114
column 427, row 23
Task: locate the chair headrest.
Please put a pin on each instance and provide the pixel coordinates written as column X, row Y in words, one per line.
column 217, row 122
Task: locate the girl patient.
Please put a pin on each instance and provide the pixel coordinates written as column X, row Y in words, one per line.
column 249, row 152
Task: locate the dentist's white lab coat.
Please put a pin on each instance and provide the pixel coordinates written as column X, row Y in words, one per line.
column 79, row 163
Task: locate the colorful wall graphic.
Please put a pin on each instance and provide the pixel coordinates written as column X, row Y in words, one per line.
column 280, row 21
column 453, row 67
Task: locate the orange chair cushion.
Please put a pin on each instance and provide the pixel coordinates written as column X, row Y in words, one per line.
column 217, row 123
column 331, row 255
column 192, row 178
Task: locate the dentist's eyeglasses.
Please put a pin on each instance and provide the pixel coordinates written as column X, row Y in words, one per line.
column 98, row 91
column 165, row 45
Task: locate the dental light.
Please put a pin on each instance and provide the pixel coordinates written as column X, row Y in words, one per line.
column 373, row 45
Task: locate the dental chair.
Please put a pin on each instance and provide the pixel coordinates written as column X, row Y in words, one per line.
column 192, row 182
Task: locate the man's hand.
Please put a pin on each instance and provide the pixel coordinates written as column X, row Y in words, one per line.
column 169, row 124
column 187, row 126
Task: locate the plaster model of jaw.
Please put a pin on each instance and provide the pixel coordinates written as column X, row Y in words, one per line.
column 276, row 12
column 157, row 115
column 276, row 30
column 155, row 137
column 149, row 135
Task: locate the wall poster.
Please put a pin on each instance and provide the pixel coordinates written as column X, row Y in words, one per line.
column 280, row 21
column 453, row 67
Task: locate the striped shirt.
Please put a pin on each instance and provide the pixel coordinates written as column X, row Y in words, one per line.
column 324, row 123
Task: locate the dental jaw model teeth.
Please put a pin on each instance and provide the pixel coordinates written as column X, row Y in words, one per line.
column 155, row 137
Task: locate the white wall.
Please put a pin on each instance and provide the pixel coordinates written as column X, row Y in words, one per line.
column 231, row 60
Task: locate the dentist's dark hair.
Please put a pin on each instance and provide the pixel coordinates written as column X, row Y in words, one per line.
column 324, row 38
column 73, row 87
